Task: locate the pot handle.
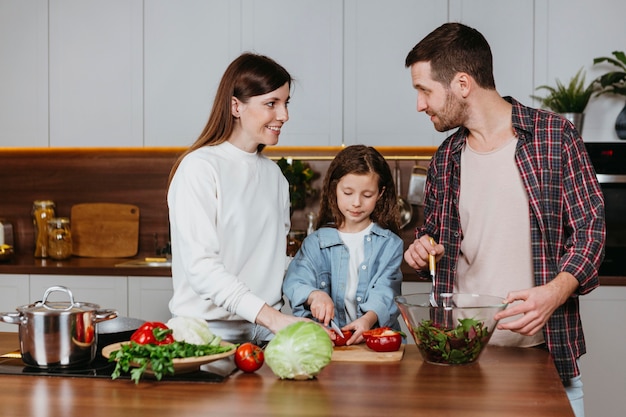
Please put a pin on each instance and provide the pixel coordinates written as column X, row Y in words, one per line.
column 104, row 314
column 11, row 318
column 53, row 289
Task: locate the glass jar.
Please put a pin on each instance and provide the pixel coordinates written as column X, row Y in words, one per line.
column 43, row 210
column 59, row 238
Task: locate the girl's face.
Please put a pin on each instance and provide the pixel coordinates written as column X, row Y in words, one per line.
column 260, row 119
column 356, row 199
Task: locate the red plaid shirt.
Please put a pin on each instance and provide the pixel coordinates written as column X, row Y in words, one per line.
column 566, row 216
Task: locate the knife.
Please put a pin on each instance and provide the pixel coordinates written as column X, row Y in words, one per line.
column 336, row 328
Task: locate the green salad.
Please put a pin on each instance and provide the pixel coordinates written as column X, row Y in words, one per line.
column 459, row 345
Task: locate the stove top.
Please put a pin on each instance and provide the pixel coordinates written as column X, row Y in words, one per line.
column 100, row 367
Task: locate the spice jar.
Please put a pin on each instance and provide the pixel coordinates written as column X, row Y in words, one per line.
column 59, row 238
column 43, row 210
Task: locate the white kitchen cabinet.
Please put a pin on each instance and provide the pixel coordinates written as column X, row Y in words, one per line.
column 187, row 47
column 24, row 73
column 603, row 312
column 109, row 292
column 13, row 294
column 306, row 38
column 148, row 298
column 380, row 102
column 96, row 73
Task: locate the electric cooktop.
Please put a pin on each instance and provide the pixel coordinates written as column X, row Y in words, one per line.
column 11, row 364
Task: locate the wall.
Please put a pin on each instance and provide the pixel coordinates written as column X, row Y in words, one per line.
column 133, row 73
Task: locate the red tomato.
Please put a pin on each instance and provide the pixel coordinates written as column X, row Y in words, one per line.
column 249, row 357
column 341, row 339
column 383, row 339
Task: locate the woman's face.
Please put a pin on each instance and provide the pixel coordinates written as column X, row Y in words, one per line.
column 260, row 119
column 356, row 199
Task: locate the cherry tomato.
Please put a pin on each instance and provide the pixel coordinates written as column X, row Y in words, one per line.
column 383, row 339
column 249, row 357
column 341, row 339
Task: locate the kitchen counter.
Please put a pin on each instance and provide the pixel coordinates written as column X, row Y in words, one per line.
column 27, row 264
column 505, row 382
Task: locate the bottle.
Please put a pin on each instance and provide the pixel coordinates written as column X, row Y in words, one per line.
column 43, row 210
column 59, row 238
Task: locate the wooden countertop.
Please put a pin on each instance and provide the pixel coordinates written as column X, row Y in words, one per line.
column 505, row 382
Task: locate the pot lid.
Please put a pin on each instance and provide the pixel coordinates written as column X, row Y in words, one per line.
column 57, row 307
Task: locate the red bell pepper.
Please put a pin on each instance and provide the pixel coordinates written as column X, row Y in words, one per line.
column 153, row 333
column 383, row 339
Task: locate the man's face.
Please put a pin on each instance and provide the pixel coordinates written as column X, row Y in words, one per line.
column 445, row 109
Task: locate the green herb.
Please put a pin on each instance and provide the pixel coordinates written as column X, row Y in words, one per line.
column 137, row 358
column 453, row 346
column 299, row 175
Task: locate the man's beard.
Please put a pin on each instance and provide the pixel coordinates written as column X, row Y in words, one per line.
column 452, row 115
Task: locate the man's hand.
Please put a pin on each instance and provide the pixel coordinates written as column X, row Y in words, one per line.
column 416, row 256
column 538, row 304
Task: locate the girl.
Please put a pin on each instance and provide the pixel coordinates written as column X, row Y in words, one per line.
column 229, row 208
column 349, row 269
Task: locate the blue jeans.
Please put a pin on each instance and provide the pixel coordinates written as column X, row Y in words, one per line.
column 574, row 392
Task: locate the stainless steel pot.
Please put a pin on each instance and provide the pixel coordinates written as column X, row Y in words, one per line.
column 58, row 334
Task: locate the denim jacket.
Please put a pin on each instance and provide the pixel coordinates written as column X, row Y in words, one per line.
column 322, row 264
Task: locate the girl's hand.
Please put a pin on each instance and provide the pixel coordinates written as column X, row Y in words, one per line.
column 321, row 306
column 360, row 325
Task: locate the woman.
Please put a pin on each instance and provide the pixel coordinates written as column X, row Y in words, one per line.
column 229, row 208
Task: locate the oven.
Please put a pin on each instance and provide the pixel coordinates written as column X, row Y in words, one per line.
column 609, row 162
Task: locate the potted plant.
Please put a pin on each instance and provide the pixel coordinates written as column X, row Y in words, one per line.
column 614, row 82
column 300, row 176
column 569, row 100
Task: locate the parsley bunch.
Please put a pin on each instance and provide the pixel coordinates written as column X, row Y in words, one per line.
column 158, row 357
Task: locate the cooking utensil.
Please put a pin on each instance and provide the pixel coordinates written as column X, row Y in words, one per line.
column 119, row 329
column 361, row 353
column 105, row 230
column 337, row 329
column 58, row 334
column 406, row 211
column 431, row 265
column 417, row 184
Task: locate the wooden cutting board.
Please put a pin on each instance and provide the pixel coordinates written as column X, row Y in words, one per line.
column 361, row 353
column 105, row 230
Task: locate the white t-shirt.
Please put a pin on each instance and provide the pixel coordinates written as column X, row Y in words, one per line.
column 496, row 255
column 229, row 215
column 354, row 242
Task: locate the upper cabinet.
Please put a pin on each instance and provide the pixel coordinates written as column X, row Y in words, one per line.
column 24, row 73
column 96, row 73
column 187, row 46
column 132, row 73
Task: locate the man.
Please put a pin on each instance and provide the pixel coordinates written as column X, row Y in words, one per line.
column 511, row 200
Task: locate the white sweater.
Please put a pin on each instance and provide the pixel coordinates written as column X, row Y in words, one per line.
column 229, row 217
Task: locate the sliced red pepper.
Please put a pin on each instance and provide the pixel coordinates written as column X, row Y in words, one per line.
column 383, row 339
column 153, row 333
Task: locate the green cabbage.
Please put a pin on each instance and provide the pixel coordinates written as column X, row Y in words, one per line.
column 192, row 330
column 299, row 351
